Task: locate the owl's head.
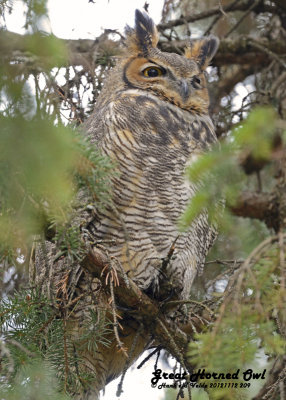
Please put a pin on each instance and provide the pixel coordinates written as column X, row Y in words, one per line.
column 179, row 79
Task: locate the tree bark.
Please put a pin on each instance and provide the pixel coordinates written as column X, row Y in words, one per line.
column 258, row 205
column 241, row 6
column 147, row 311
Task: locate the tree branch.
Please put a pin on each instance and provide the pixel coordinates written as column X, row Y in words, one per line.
column 81, row 52
column 240, row 50
column 276, row 375
column 262, row 206
column 143, row 308
column 232, row 75
column 88, row 53
column 241, row 6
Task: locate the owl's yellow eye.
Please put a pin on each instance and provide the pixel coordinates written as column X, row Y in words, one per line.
column 153, row 72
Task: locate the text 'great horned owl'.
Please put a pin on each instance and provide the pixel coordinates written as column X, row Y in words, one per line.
column 151, row 119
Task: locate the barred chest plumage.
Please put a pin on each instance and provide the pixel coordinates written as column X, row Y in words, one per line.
column 151, row 142
column 151, row 119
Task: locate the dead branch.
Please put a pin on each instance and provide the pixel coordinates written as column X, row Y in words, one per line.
column 232, row 74
column 276, row 374
column 262, row 206
column 240, row 50
column 241, row 6
column 141, row 307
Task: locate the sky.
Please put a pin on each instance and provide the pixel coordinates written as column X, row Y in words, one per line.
column 137, row 383
column 74, row 19
column 113, row 14
column 79, row 19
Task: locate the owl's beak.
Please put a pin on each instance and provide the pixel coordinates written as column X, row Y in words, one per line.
column 184, row 89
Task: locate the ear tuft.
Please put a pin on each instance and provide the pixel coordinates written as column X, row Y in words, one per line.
column 145, row 34
column 202, row 50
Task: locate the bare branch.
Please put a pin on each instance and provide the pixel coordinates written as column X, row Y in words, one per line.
column 240, row 50
column 257, row 205
column 241, row 6
column 141, row 306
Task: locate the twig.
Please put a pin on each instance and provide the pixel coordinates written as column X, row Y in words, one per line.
column 277, row 83
column 224, row 262
column 176, row 350
column 223, row 275
column 221, row 9
column 242, row 18
column 48, row 322
column 149, row 356
column 215, row 20
column 237, row 279
column 211, row 12
column 14, row 342
column 179, row 302
column 115, row 320
column 267, row 51
column 128, row 361
column 5, row 352
column 157, row 359
column 167, row 259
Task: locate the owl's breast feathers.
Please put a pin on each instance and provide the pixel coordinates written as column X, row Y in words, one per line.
column 157, row 122
column 152, row 142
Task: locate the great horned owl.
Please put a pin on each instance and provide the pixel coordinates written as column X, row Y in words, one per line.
column 151, row 119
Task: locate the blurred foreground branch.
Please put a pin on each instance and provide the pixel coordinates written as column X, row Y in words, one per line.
column 85, row 52
column 262, row 206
